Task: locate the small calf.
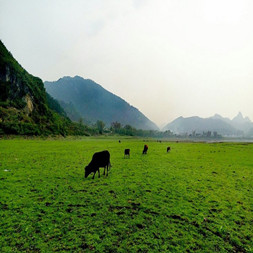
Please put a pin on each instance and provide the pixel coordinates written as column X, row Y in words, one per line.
column 168, row 149
column 127, row 152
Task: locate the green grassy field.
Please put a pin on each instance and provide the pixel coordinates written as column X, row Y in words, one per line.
column 197, row 198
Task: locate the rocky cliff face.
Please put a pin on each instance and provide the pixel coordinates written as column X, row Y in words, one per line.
column 24, row 106
column 16, row 94
column 29, row 104
column 15, row 88
column 18, row 88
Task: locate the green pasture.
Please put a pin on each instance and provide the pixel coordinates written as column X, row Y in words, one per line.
column 197, row 198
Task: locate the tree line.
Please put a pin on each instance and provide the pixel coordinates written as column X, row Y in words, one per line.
column 117, row 128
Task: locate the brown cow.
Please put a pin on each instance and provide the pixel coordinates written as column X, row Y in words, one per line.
column 145, row 149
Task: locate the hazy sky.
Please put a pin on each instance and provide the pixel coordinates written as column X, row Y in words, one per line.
column 168, row 58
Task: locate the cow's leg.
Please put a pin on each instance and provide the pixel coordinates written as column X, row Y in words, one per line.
column 107, row 169
column 98, row 172
column 94, row 174
column 104, row 170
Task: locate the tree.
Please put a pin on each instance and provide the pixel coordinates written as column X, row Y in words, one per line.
column 80, row 121
column 128, row 130
column 100, row 126
column 115, row 127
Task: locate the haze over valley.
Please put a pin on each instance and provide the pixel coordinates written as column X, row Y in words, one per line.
column 239, row 126
column 83, row 98
column 84, row 101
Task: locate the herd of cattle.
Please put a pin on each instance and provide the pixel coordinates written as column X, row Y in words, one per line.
column 102, row 159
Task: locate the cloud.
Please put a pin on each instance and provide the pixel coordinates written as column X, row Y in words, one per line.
column 138, row 4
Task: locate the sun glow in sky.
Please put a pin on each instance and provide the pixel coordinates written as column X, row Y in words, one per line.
column 168, row 58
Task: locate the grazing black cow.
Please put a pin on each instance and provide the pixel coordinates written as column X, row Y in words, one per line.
column 99, row 159
column 168, row 149
column 127, row 152
column 145, row 149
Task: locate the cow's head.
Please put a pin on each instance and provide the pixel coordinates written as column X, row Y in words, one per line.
column 87, row 171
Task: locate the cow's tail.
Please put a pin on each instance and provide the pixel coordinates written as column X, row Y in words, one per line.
column 109, row 166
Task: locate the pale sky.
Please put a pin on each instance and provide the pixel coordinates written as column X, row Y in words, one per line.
column 168, row 58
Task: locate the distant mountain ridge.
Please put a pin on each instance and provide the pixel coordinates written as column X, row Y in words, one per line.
column 92, row 102
column 238, row 126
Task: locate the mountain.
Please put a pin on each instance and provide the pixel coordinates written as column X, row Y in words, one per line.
column 242, row 123
column 71, row 111
column 238, row 126
column 25, row 107
column 217, row 116
column 92, row 102
column 199, row 125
